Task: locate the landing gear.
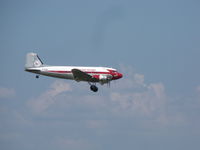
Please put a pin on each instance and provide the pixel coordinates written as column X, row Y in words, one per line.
column 94, row 88
column 37, row 76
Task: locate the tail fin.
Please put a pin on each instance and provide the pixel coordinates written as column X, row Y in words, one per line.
column 32, row 60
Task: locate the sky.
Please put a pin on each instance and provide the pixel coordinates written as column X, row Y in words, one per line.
column 154, row 43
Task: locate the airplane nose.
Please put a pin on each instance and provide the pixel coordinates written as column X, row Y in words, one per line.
column 120, row 75
column 117, row 75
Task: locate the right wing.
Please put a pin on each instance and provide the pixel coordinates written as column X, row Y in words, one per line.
column 82, row 76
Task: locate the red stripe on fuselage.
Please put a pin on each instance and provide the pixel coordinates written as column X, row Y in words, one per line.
column 85, row 72
column 60, row 71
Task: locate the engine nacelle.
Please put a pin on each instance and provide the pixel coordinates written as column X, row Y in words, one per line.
column 104, row 79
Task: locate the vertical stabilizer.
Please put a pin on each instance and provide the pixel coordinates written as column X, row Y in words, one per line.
column 32, row 61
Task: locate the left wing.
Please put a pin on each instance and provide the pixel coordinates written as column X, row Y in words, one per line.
column 82, row 76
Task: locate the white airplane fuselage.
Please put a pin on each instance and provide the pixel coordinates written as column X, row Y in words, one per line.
column 66, row 73
column 100, row 75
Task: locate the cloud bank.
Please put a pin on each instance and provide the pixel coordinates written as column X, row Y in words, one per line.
column 49, row 97
column 128, row 97
column 67, row 115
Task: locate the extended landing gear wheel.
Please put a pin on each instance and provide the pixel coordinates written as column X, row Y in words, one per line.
column 37, row 76
column 93, row 88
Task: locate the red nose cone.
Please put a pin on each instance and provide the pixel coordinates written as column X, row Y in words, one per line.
column 117, row 76
column 120, row 75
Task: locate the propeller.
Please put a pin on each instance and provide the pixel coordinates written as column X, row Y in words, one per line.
column 109, row 78
column 108, row 84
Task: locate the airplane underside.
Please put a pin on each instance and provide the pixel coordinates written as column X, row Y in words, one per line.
column 69, row 76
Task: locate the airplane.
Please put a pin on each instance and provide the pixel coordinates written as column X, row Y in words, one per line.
column 92, row 75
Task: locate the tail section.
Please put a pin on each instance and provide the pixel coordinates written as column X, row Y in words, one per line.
column 33, row 61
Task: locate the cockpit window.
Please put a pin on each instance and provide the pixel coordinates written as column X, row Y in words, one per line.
column 112, row 71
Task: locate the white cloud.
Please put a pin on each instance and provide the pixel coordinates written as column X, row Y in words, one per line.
column 49, row 97
column 6, row 92
column 133, row 97
column 144, row 102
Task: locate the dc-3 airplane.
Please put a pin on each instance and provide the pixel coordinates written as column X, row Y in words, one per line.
column 92, row 75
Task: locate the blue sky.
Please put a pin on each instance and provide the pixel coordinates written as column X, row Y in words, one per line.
column 155, row 44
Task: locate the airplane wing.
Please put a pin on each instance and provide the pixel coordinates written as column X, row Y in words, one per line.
column 82, row 76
